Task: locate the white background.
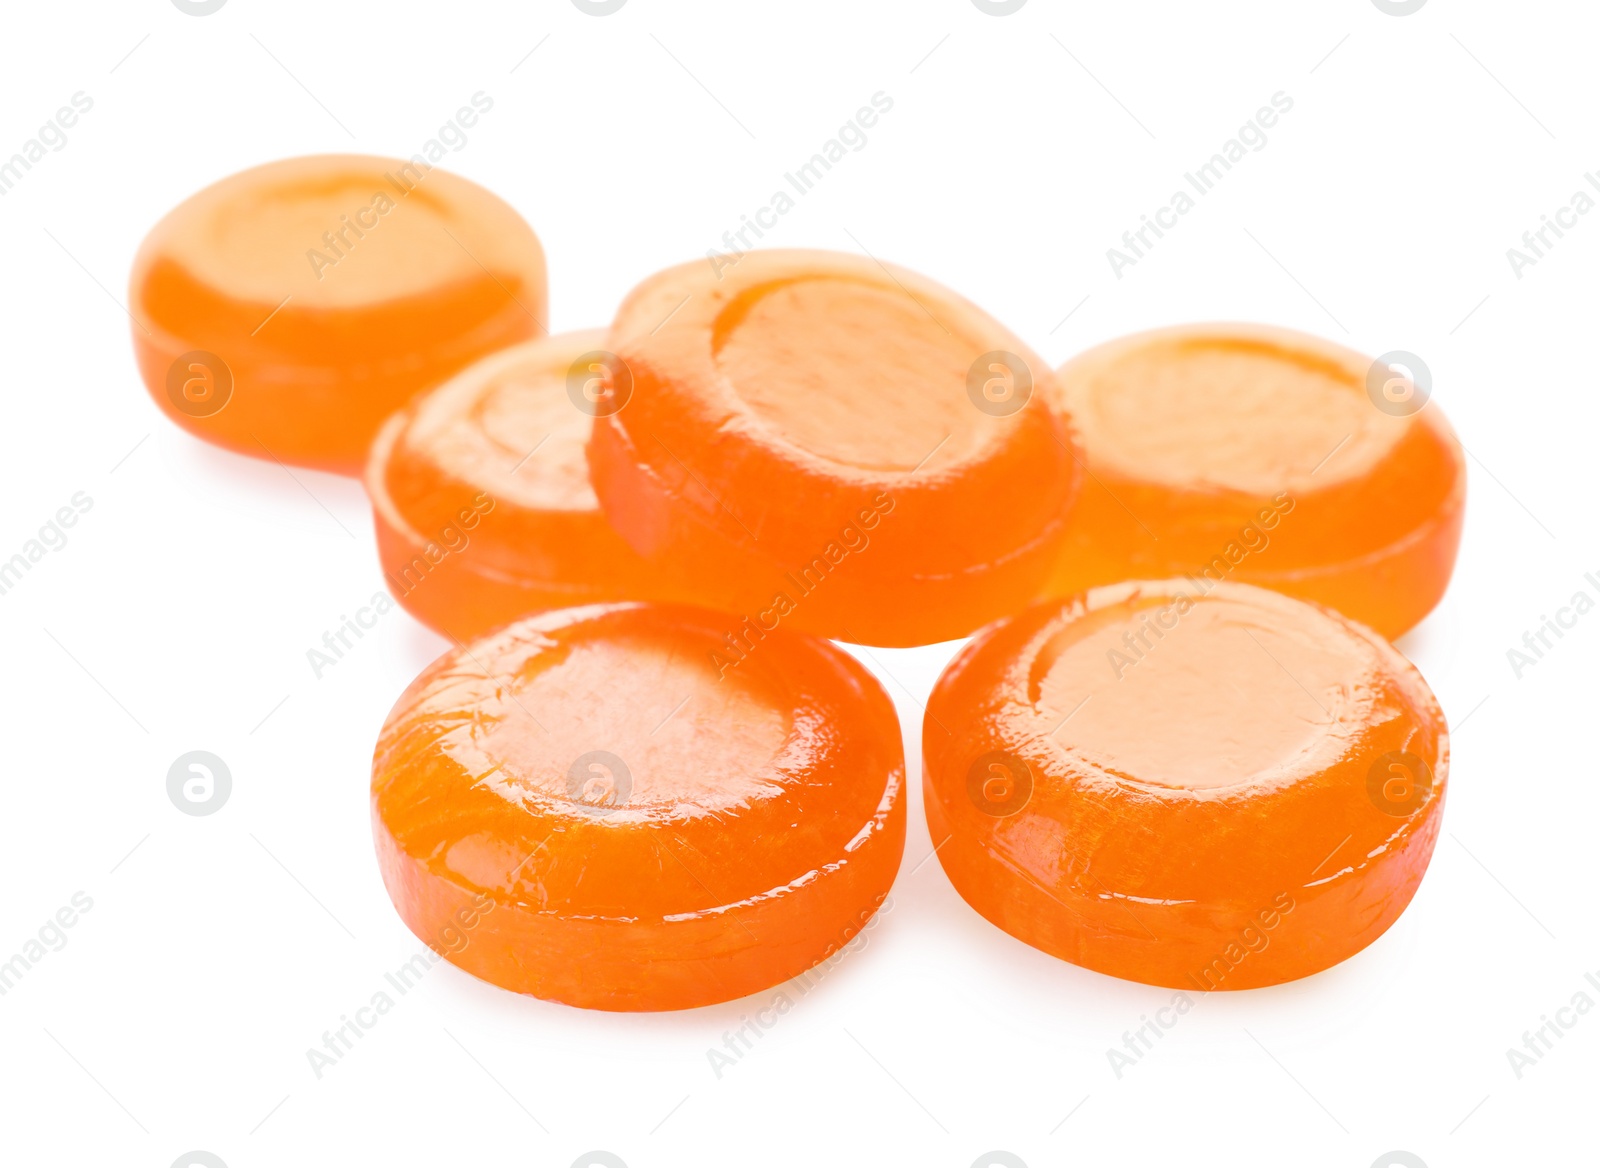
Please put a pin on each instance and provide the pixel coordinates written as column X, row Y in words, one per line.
column 179, row 615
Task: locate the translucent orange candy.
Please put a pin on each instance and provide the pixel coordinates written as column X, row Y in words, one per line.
column 818, row 440
column 1190, row 785
column 285, row 311
column 481, row 497
column 584, row 808
column 1262, row 456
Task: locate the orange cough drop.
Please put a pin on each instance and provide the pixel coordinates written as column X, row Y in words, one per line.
column 624, row 826
column 481, row 497
column 1202, row 787
column 285, row 311
column 1263, row 456
column 847, row 448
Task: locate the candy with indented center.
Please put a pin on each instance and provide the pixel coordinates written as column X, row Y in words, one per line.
column 836, row 445
column 582, row 807
column 481, row 498
column 1263, row 456
column 286, row 310
column 1191, row 785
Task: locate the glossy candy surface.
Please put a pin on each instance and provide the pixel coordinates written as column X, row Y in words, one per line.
column 846, row 448
column 1262, row 456
column 1215, row 789
column 585, row 806
column 286, row 310
column 481, row 498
